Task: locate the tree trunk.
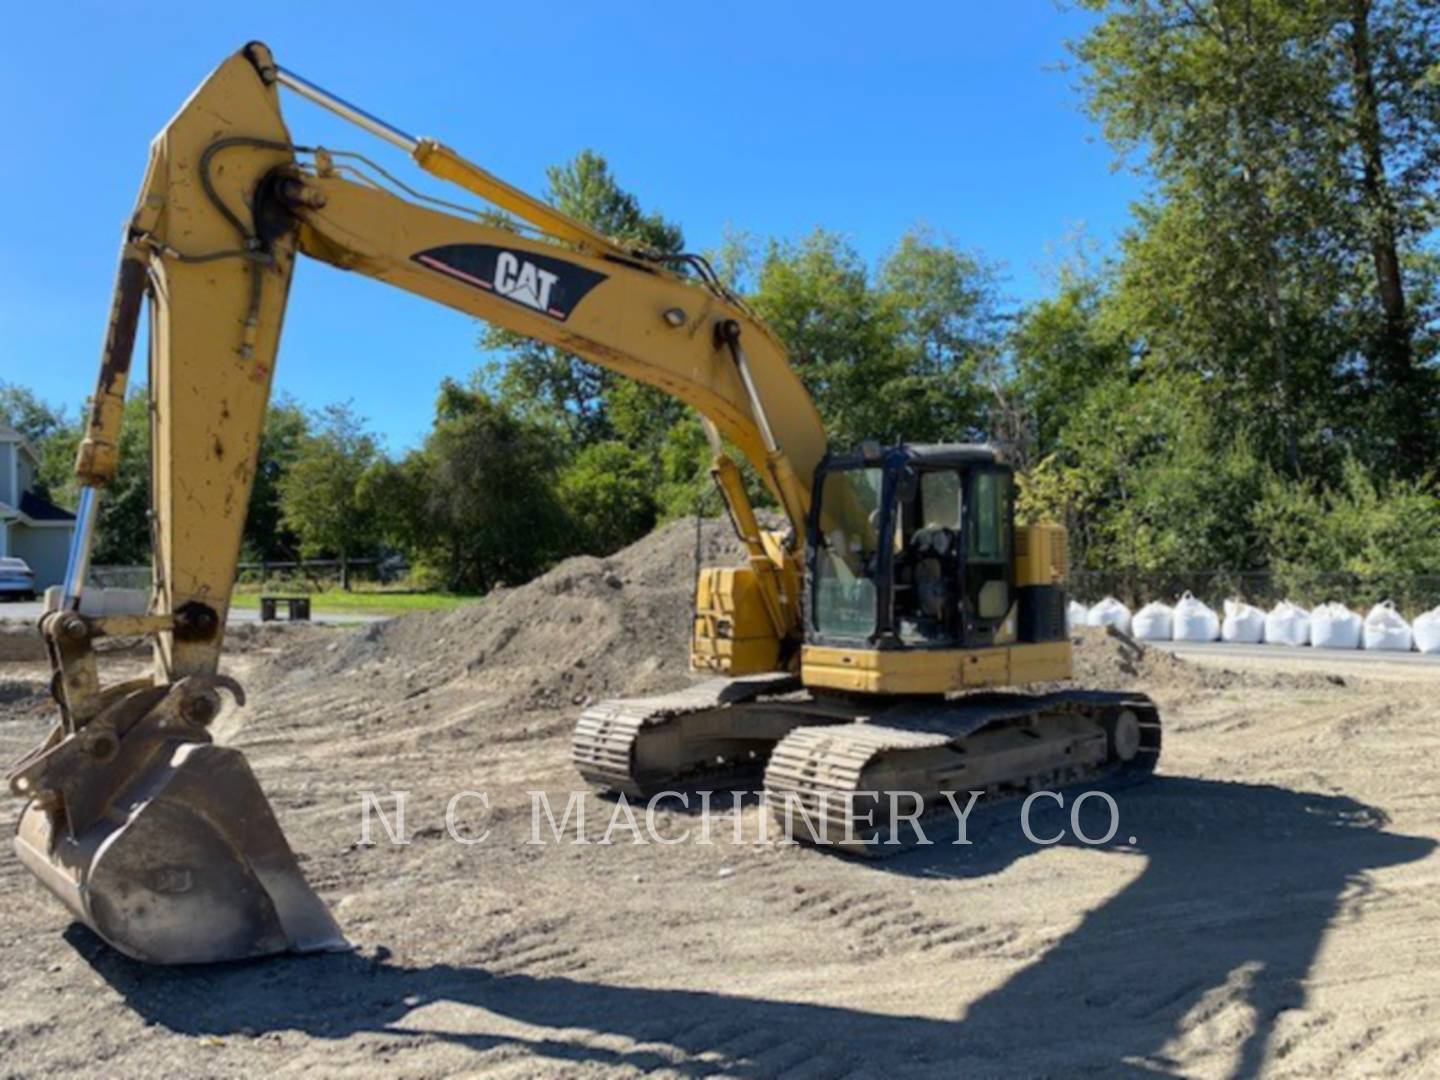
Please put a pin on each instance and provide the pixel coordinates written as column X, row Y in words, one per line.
column 344, row 570
column 1393, row 366
column 1262, row 227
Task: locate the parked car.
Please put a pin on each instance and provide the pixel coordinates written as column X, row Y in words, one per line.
column 17, row 580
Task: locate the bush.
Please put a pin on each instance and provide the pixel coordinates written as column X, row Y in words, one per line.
column 1145, row 479
column 1384, row 539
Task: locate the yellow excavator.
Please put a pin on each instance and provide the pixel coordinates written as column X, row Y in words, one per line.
column 861, row 652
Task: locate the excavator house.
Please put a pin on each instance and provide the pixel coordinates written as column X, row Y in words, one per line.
column 872, row 646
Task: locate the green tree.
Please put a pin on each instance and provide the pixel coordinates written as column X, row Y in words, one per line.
column 1295, row 149
column 33, row 418
column 685, row 483
column 477, row 502
column 395, row 494
column 281, row 442
column 903, row 353
column 320, row 494
column 48, row 429
column 1144, row 480
column 1061, row 348
column 122, row 527
column 1363, row 540
column 608, row 492
column 818, row 298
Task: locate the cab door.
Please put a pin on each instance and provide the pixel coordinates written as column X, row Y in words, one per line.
column 988, row 572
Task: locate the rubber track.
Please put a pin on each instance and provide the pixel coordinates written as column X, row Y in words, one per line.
column 819, row 766
column 603, row 745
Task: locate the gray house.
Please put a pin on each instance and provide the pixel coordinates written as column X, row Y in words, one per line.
column 31, row 527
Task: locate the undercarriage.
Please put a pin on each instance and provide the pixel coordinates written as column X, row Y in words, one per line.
column 830, row 762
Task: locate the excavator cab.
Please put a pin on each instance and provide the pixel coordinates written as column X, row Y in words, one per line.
column 911, row 547
column 918, row 574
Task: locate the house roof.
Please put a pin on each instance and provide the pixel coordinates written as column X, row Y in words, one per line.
column 9, row 435
column 37, row 508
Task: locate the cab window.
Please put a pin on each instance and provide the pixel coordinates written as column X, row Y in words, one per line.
column 990, row 517
column 940, row 499
column 848, row 553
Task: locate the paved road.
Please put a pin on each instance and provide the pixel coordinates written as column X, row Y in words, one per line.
column 30, row 612
column 1216, row 649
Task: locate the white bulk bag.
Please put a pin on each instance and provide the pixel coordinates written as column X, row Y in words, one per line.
column 1244, row 624
column 1195, row 621
column 1386, row 629
column 1153, row 622
column 1426, row 629
column 1075, row 615
column 1334, row 626
column 1109, row 612
column 1287, row 624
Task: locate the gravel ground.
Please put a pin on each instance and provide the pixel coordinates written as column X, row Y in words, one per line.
column 1275, row 911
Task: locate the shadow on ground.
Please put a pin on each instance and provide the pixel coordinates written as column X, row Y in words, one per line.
column 1239, row 884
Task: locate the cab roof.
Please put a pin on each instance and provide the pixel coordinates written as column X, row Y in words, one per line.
column 931, row 455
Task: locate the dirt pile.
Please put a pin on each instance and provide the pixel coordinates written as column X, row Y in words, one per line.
column 590, row 628
column 20, row 696
column 1106, row 659
column 20, row 642
column 603, row 627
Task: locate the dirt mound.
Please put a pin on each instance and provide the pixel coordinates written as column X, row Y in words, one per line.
column 593, row 628
column 587, row 629
column 1106, row 659
column 20, row 642
column 256, row 637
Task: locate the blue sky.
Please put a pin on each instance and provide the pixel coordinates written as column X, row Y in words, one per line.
column 772, row 118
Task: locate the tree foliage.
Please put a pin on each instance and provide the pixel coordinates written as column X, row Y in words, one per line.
column 1248, row 382
column 319, row 494
column 1296, row 152
column 1382, row 534
column 48, row 429
column 898, row 353
column 477, row 502
column 122, row 526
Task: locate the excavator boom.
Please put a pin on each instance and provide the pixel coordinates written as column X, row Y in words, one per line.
column 156, row 837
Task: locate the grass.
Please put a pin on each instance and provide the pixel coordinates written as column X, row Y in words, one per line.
column 358, row 602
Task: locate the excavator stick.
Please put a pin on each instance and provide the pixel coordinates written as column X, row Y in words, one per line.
column 159, row 840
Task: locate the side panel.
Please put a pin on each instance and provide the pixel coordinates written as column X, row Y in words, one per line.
column 732, row 632
column 1041, row 555
column 933, row 671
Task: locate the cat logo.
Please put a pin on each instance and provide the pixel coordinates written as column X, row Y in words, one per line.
column 522, row 280
column 540, row 283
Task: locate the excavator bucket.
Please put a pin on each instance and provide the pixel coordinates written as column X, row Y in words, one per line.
column 162, row 842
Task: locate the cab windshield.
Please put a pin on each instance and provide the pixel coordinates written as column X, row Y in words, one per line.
column 847, row 555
